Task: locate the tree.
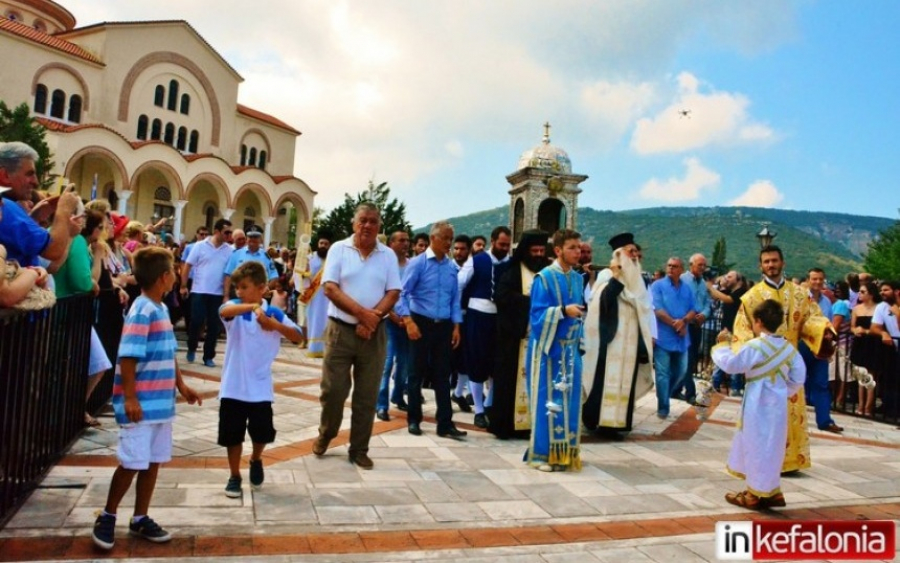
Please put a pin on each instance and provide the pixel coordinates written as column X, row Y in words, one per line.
column 718, row 261
column 17, row 125
column 393, row 212
column 882, row 260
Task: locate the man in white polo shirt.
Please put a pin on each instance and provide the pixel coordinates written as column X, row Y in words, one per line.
column 362, row 282
column 207, row 260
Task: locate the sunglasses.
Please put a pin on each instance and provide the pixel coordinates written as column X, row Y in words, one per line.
column 227, row 232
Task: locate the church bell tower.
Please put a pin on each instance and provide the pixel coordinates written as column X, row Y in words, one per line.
column 544, row 192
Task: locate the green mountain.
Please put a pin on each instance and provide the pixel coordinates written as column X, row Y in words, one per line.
column 835, row 242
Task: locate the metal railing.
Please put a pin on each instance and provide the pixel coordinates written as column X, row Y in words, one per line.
column 886, row 377
column 43, row 373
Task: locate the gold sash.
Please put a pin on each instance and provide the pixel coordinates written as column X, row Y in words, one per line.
column 314, row 285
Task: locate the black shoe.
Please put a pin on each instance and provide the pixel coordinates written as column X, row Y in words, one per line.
column 320, row 445
column 402, row 406
column 470, row 400
column 257, row 473
column 481, row 421
column 105, row 531
column 461, row 403
column 383, row 415
column 149, row 530
column 414, row 429
column 453, row 433
column 362, row 461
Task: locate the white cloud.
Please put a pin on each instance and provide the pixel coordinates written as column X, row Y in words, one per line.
column 616, row 104
column 696, row 119
column 455, row 148
column 761, row 193
column 697, row 178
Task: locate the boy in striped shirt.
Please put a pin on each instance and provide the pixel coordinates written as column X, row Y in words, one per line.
column 144, row 398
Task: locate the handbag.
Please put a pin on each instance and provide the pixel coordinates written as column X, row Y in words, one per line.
column 37, row 298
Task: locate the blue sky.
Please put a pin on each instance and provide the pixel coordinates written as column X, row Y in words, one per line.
column 792, row 104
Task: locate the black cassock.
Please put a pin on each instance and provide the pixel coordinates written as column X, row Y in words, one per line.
column 513, row 310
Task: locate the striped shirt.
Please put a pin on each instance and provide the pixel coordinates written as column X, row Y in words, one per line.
column 148, row 337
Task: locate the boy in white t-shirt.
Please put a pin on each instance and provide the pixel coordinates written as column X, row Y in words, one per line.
column 254, row 337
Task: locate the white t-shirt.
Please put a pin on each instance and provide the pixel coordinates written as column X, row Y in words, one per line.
column 208, row 265
column 885, row 317
column 249, row 353
column 363, row 280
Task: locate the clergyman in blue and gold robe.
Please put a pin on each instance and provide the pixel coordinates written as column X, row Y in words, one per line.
column 554, row 360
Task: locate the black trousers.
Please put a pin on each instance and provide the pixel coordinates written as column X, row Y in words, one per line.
column 204, row 310
column 430, row 355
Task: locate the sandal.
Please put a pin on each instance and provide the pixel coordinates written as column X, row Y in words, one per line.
column 774, row 501
column 744, row 499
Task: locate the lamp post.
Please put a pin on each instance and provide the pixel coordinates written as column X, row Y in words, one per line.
column 765, row 236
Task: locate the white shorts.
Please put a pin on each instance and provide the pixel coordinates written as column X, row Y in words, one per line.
column 144, row 443
column 98, row 362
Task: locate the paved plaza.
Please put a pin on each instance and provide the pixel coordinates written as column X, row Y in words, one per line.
column 654, row 497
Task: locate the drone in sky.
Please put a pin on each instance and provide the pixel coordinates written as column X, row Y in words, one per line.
column 685, row 113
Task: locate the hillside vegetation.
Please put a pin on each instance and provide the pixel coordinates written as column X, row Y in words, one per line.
column 832, row 241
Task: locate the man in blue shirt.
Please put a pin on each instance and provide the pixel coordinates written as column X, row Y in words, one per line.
column 673, row 302
column 429, row 305
column 694, row 280
column 253, row 251
column 817, row 392
column 24, row 238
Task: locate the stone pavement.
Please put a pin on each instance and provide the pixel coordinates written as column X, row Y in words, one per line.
column 654, row 497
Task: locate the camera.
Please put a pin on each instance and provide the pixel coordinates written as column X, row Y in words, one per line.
column 711, row 274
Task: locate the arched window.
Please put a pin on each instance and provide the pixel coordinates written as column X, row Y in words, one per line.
column 159, row 96
column 40, row 99
column 169, row 139
column 185, row 104
column 195, row 140
column 156, row 130
column 143, row 122
column 40, row 26
column 75, row 108
column 243, row 155
column 262, row 160
column 210, row 212
column 181, row 143
column 162, row 203
column 252, row 160
column 58, row 104
column 249, row 218
column 173, row 95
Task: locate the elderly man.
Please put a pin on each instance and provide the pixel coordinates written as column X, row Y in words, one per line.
column 802, row 319
column 619, row 331
column 362, row 283
column 239, row 238
column 207, row 260
column 23, row 238
column 509, row 415
column 251, row 252
column 693, row 278
column 673, row 302
column 431, row 314
column 314, row 298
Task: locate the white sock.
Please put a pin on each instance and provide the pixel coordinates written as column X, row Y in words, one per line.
column 461, row 381
column 477, row 396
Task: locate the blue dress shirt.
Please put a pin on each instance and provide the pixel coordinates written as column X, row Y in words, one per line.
column 677, row 302
column 430, row 288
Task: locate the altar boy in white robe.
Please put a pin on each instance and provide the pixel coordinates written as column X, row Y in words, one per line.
column 774, row 372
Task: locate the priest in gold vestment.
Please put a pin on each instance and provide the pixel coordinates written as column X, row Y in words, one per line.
column 802, row 320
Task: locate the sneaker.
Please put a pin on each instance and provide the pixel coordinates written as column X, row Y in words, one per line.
column 233, row 488
column 149, row 530
column 257, row 474
column 209, row 363
column 104, row 535
column 191, row 356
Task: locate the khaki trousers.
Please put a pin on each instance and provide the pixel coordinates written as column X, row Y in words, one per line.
column 349, row 362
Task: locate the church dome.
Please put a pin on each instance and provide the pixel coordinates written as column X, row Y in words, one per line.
column 546, row 157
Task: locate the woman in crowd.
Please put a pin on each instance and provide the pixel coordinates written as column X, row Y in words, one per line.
column 866, row 350
column 80, row 273
column 841, row 315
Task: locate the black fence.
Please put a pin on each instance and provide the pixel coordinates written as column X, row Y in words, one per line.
column 881, row 380
column 43, row 376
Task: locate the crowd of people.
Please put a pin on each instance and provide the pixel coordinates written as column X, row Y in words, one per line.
column 537, row 341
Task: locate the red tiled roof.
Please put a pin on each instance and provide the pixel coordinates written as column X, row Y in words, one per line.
column 53, row 125
column 249, row 112
column 31, row 34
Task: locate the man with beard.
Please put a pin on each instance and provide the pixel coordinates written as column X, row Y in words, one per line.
column 619, row 332
column 803, row 320
column 314, row 298
column 480, row 337
column 884, row 324
column 478, row 244
column 509, row 415
column 732, row 287
column 459, row 381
